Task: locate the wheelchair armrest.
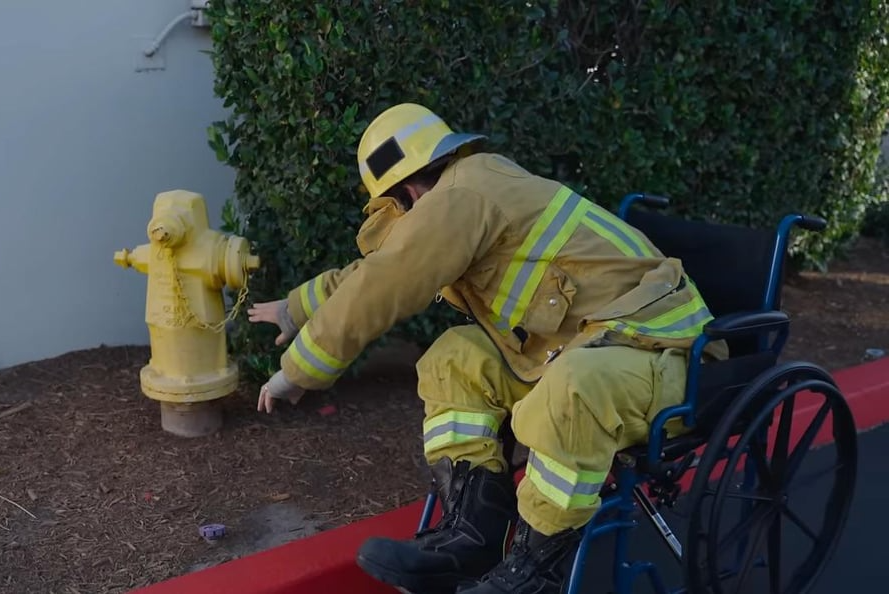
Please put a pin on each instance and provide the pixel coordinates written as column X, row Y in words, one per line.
column 746, row 323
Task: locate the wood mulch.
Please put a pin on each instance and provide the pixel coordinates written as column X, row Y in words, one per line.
column 97, row 498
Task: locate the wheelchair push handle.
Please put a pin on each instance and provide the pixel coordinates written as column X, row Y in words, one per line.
column 812, row 223
column 649, row 200
column 654, row 201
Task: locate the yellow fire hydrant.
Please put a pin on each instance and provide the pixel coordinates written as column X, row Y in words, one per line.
column 187, row 265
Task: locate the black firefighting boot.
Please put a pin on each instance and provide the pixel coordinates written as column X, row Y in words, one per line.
column 478, row 509
column 536, row 564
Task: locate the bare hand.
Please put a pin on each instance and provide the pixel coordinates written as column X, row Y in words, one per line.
column 274, row 312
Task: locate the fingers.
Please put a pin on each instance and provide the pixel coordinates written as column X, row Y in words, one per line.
column 280, row 340
column 263, row 312
column 265, row 401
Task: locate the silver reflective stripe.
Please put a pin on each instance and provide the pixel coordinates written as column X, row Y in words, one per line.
column 403, row 133
column 560, row 483
column 313, row 297
column 631, row 243
column 312, row 360
column 685, row 323
column 461, row 428
column 423, row 122
column 534, row 256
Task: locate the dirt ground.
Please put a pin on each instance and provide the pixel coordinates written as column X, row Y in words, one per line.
column 95, row 497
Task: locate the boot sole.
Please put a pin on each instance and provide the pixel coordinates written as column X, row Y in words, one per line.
column 410, row 583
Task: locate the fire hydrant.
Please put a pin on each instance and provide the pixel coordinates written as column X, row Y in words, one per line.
column 187, row 265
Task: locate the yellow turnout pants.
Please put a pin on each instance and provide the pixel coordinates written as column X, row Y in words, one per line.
column 590, row 403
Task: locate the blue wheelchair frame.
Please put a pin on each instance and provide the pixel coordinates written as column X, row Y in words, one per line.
column 622, row 502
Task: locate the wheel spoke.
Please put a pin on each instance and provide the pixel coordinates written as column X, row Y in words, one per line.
column 805, row 443
column 782, row 440
column 757, row 515
column 758, row 453
column 750, row 555
column 807, row 480
column 750, row 497
column 774, row 558
column 799, row 523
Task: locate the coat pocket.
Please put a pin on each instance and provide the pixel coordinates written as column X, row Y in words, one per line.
column 551, row 302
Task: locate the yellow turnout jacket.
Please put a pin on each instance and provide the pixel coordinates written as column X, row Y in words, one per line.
column 538, row 266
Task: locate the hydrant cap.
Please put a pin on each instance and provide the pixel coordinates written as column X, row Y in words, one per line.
column 238, row 260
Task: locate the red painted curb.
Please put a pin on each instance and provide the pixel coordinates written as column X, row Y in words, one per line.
column 325, row 563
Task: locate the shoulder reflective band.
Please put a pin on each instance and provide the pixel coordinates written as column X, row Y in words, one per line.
column 312, row 359
column 569, row 489
column 454, row 427
column 311, row 295
column 622, row 236
column 685, row 321
column 548, row 235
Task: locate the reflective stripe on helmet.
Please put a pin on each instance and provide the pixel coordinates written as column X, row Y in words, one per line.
column 390, row 152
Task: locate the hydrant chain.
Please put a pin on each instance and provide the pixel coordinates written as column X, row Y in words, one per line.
column 182, row 298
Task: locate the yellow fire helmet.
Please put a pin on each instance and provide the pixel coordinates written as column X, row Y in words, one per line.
column 401, row 141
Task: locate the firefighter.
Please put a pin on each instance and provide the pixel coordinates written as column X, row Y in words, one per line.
column 580, row 335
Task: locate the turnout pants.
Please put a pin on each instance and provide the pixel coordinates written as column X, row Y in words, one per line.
column 590, row 403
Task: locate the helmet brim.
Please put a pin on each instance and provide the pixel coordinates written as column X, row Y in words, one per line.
column 452, row 142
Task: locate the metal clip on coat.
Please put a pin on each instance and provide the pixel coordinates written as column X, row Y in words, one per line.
column 187, row 265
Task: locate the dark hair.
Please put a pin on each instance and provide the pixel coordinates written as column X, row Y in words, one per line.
column 428, row 176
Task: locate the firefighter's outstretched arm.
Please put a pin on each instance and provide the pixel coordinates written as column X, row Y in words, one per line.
column 430, row 247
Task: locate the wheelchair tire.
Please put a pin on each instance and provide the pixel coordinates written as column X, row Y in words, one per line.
column 725, row 547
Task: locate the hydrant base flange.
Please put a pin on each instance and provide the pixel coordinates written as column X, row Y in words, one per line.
column 191, row 420
column 157, row 386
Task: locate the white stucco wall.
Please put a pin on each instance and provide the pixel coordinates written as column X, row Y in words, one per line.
column 86, row 142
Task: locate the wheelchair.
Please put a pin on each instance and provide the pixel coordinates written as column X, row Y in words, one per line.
column 738, row 415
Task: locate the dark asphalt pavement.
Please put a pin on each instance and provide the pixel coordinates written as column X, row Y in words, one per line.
column 860, row 563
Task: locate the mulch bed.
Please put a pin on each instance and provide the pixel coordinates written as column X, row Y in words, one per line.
column 109, row 502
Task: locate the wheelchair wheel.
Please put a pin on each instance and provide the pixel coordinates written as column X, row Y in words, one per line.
column 766, row 509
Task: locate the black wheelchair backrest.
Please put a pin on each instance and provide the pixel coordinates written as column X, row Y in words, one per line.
column 729, row 264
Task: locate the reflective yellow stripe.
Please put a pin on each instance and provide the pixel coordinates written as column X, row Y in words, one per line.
column 311, row 295
column 312, row 359
column 622, row 236
column 524, row 273
column 569, row 489
column 454, row 427
column 685, row 321
column 304, row 299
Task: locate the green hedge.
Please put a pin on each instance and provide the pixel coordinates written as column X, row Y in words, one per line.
column 739, row 111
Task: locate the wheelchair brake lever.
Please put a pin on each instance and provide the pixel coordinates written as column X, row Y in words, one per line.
column 665, row 488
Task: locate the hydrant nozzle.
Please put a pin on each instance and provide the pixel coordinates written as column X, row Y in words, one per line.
column 122, row 258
